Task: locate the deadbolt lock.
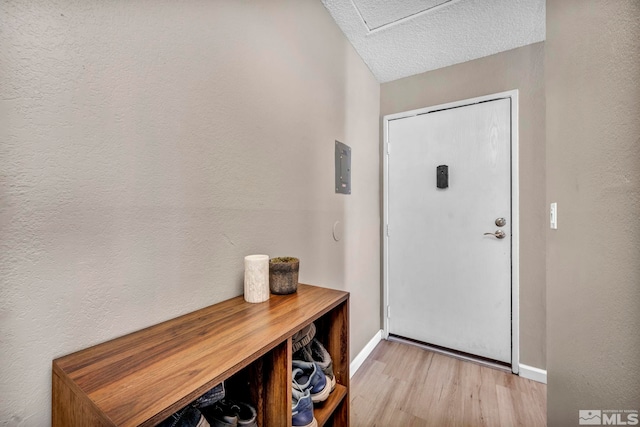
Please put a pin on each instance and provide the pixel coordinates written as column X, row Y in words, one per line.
column 501, row 222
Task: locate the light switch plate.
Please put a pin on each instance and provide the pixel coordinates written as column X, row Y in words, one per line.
column 343, row 168
column 553, row 216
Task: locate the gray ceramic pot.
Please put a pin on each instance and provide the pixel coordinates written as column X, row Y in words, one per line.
column 283, row 275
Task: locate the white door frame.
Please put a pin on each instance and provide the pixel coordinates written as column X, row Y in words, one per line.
column 515, row 214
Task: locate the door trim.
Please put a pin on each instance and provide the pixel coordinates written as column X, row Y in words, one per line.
column 515, row 213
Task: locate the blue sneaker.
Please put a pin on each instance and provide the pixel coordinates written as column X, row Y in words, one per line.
column 309, row 376
column 185, row 417
column 314, row 351
column 209, row 398
column 302, row 408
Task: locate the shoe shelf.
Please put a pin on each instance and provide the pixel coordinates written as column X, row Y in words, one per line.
column 323, row 412
column 141, row 378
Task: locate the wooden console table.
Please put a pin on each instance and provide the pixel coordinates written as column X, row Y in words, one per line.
column 143, row 377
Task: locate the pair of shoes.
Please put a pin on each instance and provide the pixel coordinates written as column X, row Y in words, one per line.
column 314, row 351
column 312, row 376
column 230, row 413
column 309, row 376
column 309, row 385
column 191, row 415
column 185, row 417
column 306, row 347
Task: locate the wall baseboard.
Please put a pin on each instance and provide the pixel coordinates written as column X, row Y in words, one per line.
column 535, row 374
column 364, row 353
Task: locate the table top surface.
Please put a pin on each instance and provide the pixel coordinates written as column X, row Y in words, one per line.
column 136, row 376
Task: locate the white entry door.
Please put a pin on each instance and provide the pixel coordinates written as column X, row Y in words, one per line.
column 449, row 283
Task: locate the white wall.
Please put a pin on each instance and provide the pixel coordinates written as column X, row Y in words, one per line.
column 593, row 172
column 147, row 146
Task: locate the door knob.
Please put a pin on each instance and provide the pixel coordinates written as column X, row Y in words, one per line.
column 501, row 222
column 499, row 234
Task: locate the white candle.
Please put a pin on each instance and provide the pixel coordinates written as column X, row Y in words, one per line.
column 256, row 278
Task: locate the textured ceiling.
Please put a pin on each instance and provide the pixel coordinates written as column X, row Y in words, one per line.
column 400, row 38
column 378, row 13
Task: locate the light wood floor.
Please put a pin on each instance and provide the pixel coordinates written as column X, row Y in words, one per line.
column 404, row 385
